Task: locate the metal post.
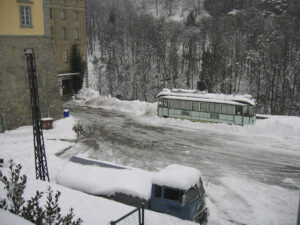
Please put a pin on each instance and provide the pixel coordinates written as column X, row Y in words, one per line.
column 41, row 168
column 140, row 219
column 143, row 214
column 298, row 220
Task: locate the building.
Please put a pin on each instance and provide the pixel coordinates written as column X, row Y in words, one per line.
column 26, row 24
column 67, row 19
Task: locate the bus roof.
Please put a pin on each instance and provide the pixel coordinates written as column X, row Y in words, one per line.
column 203, row 96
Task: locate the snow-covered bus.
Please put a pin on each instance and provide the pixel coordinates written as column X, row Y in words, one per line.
column 202, row 106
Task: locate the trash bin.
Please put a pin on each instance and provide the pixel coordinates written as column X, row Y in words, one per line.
column 66, row 113
column 47, row 123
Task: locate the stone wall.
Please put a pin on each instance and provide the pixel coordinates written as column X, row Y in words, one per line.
column 15, row 108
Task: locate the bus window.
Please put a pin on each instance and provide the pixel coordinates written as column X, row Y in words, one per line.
column 165, row 103
column 203, row 107
column 217, row 108
column 185, row 105
column 195, row 106
column 224, row 109
column 193, row 195
column 157, row 191
column 245, row 111
column 238, row 110
column 211, row 107
column 230, row 109
column 160, row 102
column 174, row 104
column 173, row 194
column 251, row 110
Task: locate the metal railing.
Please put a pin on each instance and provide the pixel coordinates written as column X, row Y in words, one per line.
column 136, row 216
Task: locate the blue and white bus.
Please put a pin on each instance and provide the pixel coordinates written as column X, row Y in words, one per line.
column 202, row 106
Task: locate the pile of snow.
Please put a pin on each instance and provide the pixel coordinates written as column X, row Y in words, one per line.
column 283, row 127
column 92, row 99
column 177, row 176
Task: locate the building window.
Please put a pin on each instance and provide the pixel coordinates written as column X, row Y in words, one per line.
column 50, row 13
column 75, row 1
column 64, row 33
column 25, row 16
column 63, row 14
column 76, row 15
column 76, row 33
column 65, row 56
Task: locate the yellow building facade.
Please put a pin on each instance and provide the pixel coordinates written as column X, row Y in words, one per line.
column 22, row 17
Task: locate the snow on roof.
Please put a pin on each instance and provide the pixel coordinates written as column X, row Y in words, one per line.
column 97, row 180
column 208, row 97
column 177, row 176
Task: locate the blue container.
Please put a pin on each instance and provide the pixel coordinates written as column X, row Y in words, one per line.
column 66, row 113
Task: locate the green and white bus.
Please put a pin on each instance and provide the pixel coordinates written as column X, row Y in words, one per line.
column 202, row 106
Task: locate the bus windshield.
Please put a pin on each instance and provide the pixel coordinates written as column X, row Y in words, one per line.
column 192, row 195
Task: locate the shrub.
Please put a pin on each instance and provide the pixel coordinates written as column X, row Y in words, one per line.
column 31, row 210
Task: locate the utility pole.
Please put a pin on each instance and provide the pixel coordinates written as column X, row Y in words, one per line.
column 41, row 168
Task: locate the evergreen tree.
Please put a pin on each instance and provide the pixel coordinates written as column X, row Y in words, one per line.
column 208, row 73
column 31, row 210
column 77, row 66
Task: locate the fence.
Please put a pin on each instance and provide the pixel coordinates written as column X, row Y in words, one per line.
column 135, row 217
column 138, row 216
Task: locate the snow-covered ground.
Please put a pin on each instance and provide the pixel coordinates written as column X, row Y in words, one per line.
column 18, row 145
column 238, row 192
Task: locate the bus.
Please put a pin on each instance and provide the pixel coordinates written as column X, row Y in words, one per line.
column 207, row 107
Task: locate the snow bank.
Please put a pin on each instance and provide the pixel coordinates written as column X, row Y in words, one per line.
column 286, row 127
column 92, row 99
column 177, row 176
column 9, row 218
column 246, row 201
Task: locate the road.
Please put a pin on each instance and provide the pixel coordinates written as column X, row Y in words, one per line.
column 114, row 136
column 248, row 178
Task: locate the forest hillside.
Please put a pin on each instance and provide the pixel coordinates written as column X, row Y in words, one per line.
column 138, row 47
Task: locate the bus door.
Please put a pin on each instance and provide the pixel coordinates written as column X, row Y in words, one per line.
column 238, row 118
column 165, row 111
